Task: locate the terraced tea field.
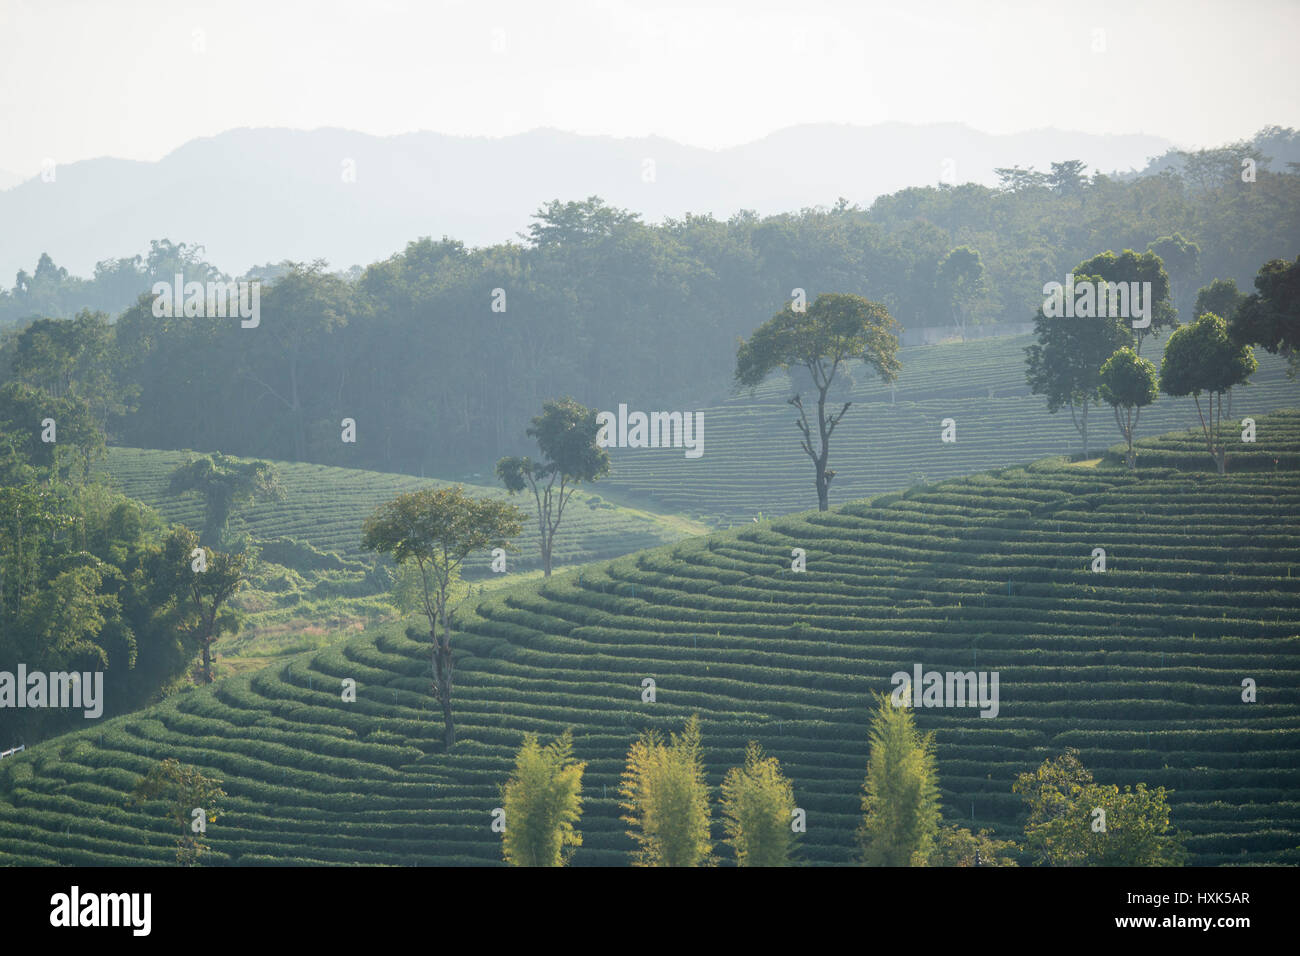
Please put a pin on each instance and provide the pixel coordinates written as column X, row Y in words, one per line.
column 1140, row 667
column 325, row 507
column 752, row 462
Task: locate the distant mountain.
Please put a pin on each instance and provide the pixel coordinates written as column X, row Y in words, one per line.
column 1278, row 146
column 8, row 179
column 262, row 195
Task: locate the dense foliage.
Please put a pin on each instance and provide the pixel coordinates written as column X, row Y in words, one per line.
column 604, row 307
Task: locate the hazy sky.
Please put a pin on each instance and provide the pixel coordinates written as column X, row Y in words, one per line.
column 85, row 78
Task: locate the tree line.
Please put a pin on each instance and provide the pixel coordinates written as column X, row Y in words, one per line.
column 442, row 353
column 1070, row 819
column 1078, row 362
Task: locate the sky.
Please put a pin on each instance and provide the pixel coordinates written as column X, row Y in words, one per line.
column 138, row 78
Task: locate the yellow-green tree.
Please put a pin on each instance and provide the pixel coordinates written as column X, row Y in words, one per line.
column 957, row 846
column 185, row 791
column 901, row 798
column 667, row 799
column 543, row 803
column 1074, row 821
column 757, row 803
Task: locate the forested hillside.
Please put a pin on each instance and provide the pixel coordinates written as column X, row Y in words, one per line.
column 442, row 353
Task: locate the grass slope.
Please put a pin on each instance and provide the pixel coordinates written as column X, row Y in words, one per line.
column 752, row 462
column 1140, row 668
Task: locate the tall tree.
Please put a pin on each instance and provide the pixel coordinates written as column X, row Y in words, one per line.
column 226, row 484
column 1013, row 179
column 757, row 803
column 566, row 435
column 822, row 339
column 900, row 799
column 666, row 799
column 1182, row 260
column 1271, row 316
column 209, row 581
column 1065, row 364
column 543, row 803
column 301, row 310
column 960, row 280
column 1202, row 358
column 438, row 528
column 1128, row 382
column 1067, row 177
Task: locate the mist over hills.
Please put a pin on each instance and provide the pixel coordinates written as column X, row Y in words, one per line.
column 252, row 196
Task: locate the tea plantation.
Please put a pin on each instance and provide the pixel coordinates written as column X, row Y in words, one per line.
column 324, row 506
column 890, row 438
column 1140, row 667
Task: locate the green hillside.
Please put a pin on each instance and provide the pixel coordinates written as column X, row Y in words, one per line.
column 325, row 506
column 890, row 439
column 1140, row 668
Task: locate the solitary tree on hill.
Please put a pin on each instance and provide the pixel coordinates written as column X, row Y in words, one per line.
column 822, row 339
column 566, row 435
column 437, row 529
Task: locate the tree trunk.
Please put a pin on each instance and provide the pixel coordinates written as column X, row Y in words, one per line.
column 298, row 443
column 442, row 666
column 207, row 658
column 1084, row 429
column 823, row 482
column 1221, row 458
column 449, row 728
column 1129, row 428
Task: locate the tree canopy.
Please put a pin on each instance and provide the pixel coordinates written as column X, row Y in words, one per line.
column 437, row 529
column 821, row 340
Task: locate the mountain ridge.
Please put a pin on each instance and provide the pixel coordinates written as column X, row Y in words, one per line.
column 255, row 195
